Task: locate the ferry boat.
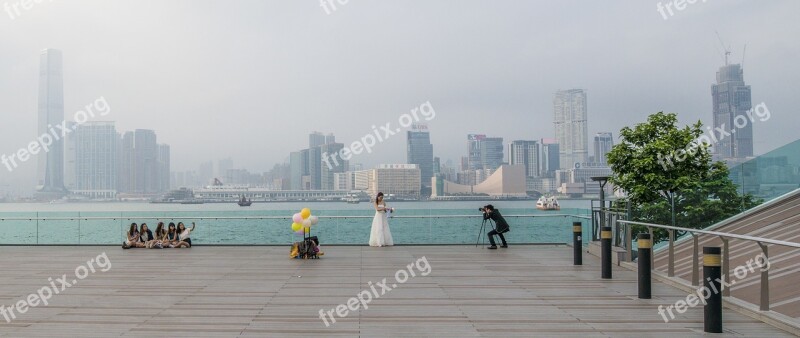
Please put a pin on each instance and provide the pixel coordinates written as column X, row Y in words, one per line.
column 245, row 202
column 547, row 203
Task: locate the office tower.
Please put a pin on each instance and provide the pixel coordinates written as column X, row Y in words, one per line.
column 70, row 159
column 163, row 167
column 206, row 173
column 474, row 151
column 731, row 101
column 603, row 142
column 316, row 139
column 400, row 180
column 332, row 164
column 50, row 166
column 223, row 166
column 419, row 151
column 96, row 160
column 550, row 157
column 126, row 176
column 491, row 153
column 525, row 153
column 297, row 165
column 330, row 138
column 315, row 168
column 437, row 165
column 146, row 156
column 570, row 120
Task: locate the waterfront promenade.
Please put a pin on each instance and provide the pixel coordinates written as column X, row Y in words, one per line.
column 525, row 291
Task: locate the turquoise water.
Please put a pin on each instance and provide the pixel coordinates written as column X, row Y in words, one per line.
column 269, row 223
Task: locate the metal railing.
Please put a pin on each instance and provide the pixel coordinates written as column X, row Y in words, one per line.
column 725, row 237
column 275, row 230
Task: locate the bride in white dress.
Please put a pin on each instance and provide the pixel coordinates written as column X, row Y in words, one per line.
column 380, row 234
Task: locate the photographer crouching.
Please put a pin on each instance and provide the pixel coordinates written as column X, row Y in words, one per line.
column 501, row 226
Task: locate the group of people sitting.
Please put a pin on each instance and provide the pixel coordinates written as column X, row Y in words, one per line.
column 170, row 237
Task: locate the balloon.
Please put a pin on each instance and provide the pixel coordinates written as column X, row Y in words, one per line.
column 314, row 220
column 296, row 227
column 297, row 218
column 307, row 223
column 305, row 213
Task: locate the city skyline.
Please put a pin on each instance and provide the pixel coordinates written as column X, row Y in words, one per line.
column 208, row 93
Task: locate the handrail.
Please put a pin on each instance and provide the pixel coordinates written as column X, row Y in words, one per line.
column 67, row 218
column 717, row 233
column 725, row 237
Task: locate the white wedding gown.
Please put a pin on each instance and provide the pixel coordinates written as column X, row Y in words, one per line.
column 380, row 234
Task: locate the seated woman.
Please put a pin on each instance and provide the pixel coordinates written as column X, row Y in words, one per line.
column 184, row 233
column 159, row 241
column 146, row 236
column 172, row 236
column 133, row 238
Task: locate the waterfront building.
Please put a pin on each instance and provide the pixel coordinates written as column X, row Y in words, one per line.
column 95, row 160
column 506, row 181
column 570, row 120
column 333, row 164
column 399, row 180
column 525, row 153
column 550, row 157
column 50, row 166
column 419, row 151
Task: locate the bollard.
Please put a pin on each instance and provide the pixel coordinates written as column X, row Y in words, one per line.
column 577, row 243
column 605, row 254
column 645, row 279
column 712, row 272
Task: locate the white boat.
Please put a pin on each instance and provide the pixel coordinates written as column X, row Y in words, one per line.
column 352, row 200
column 547, row 203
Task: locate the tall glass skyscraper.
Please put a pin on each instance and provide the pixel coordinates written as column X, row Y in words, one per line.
column 96, row 160
column 50, row 166
column 570, row 119
column 731, row 98
column 491, row 153
column 603, row 142
column 550, row 157
column 419, row 151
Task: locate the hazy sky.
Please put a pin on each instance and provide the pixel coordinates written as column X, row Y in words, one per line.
column 251, row 79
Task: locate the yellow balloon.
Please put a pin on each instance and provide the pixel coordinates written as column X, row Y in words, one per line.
column 296, row 227
column 305, row 213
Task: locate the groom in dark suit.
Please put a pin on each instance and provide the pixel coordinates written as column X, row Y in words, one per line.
column 501, row 226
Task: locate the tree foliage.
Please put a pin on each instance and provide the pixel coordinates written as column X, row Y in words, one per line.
column 657, row 163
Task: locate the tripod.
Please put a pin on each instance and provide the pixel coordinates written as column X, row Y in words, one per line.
column 481, row 234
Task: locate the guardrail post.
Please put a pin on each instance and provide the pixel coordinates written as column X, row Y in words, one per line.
column 652, row 238
column 671, row 263
column 577, row 243
column 605, row 247
column 695, row 261
column 712, row 311
column 645, row 253
column 726, row 291
column 764, row 279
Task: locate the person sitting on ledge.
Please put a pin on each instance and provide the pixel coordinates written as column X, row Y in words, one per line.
column 184, row 235
column 146, row 236
column 133, row 238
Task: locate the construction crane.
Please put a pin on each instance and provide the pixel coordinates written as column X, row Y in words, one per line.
column 726, row 49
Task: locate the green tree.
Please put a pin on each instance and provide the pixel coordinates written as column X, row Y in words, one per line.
column 670, row 178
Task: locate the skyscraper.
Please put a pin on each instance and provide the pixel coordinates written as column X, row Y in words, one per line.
column 327, row 172
column 163, row 167
column 570, row 119
column 419, row 151
column 474, row 151
column 550, row 157
column 50, row 166
column 297, row 169
column 146, row 162
column 525, row 153
column 731, row 99
column 491, row 153
column 96, row 160
column 603, row 142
